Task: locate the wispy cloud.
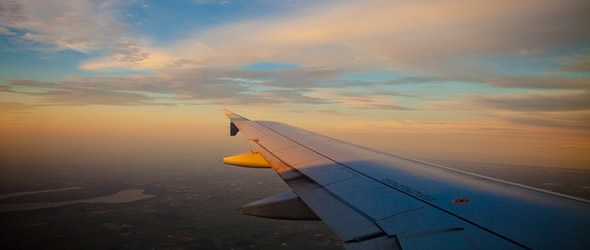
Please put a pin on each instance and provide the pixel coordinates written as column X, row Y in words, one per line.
column 538, row 82
column 537, row 102
column 359, row 100
column 541, row 81
column 76, row 93
column 183, row 87
column 5, row 31
column 12, row 107
column 408, row 34
column 206, row 2
column 76, row 25
column 557, row 110
column 570, row 120
column 579, row 61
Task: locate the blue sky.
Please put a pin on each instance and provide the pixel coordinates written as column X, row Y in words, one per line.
column 154, row 18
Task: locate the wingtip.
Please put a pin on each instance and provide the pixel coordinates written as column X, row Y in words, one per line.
column 225, row 111
column 232, row 116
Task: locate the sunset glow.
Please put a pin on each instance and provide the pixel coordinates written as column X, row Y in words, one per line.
column 474, row 81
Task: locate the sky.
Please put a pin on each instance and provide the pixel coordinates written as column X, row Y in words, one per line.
column 480, row 81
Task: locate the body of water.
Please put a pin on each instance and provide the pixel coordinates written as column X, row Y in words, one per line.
column 4, row 196
column 123, row 196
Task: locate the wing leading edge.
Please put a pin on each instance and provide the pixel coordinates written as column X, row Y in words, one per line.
column 376, row 200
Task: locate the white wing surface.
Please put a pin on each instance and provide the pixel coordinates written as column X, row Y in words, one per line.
column 376, row 200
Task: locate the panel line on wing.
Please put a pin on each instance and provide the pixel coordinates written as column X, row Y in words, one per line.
column 399, row 190
column 496, row 214
column 447, row 168
column 311, row 180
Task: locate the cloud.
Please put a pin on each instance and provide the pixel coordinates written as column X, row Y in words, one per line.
column 11, row 11
column 541, row 81
column 203, row 86
column 536, row 102
column 420, row 35
column 561, row 110
column 484, row 127
column 5, row 31
column 313, row 86
column 296, row 96
column 303, row 77
column 537, row 82
column 309, row 86
column 77, row 93
column 406, row 35
column 274, row 97
column 358, row 100
column 576, row 62
column 400, row 33
column 86, row 26
column 575, row 120
column 530, row 52
column 207, row 2
column 326, row 40
column 76, row 25
column 15, row 107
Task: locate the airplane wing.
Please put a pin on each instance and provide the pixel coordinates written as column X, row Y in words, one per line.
column 377, row 200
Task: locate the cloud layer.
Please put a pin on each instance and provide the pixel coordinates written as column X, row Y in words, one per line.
column 417, row 35
column 445, row 56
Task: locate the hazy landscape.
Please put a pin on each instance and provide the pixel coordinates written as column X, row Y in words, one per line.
column 191, row 203
column 195, row 203
column 189, row 210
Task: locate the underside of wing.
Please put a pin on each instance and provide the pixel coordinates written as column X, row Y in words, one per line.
column 376, row 200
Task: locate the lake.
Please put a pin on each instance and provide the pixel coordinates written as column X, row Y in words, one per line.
column 123, row 196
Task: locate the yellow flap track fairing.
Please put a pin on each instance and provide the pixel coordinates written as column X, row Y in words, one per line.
column 248, row 160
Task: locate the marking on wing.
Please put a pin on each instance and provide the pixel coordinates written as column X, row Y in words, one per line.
column 375, row 199
column 408, row 190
